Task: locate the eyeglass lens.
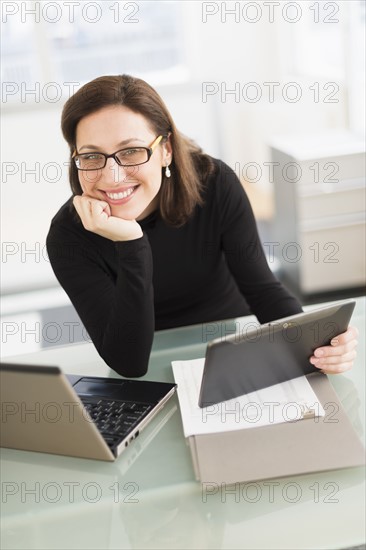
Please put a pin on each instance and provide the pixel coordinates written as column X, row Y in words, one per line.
column 126, row 157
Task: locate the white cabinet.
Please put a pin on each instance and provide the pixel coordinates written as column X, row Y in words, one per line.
column 319, row 225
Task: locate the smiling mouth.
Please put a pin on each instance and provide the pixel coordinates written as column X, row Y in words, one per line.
column 122, row 194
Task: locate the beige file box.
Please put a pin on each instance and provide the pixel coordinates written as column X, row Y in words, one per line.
column 312, row 444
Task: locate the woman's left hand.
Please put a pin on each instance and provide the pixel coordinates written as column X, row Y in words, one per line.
column 339, row 356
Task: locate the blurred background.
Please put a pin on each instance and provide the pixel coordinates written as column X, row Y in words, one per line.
column 275, row 89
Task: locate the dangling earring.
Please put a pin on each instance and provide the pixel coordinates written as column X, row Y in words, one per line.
column 167, row 171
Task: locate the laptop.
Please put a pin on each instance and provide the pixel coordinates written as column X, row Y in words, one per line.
column 44, row 410
column 250, row 360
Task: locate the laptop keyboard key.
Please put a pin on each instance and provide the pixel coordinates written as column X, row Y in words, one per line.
column 115, row 419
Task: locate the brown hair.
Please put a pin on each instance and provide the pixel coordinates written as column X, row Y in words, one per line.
column 190, row 167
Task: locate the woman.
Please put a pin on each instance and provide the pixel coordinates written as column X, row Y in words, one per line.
column 157, row 234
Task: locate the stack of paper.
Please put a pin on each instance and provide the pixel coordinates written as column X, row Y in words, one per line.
column 286, row 402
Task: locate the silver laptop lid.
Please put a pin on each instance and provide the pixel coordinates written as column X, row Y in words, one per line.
column 40, row 411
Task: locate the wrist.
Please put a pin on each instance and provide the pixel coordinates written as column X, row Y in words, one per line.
column 131, row 236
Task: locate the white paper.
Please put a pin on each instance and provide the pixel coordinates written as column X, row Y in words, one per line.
column 285, row 402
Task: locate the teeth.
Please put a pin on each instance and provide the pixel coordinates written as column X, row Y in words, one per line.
column 119, row 196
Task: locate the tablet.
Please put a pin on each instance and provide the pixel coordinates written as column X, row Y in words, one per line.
column 250, row 360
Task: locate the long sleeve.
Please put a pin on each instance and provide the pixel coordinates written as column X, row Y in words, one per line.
column 115, row 304
column 210, row 269
column 266, row 296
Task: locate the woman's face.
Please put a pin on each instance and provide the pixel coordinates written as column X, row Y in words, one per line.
column 131, row 192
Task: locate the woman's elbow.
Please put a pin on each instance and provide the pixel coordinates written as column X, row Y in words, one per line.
column 128, row 368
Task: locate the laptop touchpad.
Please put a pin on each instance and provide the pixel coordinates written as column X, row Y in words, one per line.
column 105, row 388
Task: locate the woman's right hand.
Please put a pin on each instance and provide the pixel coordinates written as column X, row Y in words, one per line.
column 96, row 217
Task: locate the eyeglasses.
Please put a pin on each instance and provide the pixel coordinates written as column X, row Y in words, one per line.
column 133, row 156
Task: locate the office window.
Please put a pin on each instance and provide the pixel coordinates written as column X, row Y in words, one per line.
column 20, row 62
column 327, row 51
column 356, row 66
column 318, row 41
column 60, row 45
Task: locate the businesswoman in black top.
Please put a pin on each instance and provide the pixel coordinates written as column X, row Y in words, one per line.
column 157, row 234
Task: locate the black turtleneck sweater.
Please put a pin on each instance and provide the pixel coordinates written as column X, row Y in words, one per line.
column 210, row 269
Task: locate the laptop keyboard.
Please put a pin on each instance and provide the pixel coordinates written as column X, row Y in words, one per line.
column 115, row 419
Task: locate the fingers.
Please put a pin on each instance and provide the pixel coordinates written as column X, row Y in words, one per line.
column 335, row 359
column 350, row 334
column 337, row 369
column 82, row 206
column 96, row 217
column 343, row 343
column 335, row 350
column 336, row 364
column 92, row 212
column 340, row 355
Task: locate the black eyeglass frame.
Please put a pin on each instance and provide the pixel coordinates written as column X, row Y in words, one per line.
column 149, row 151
